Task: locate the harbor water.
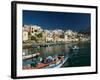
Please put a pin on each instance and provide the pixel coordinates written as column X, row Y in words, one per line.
column 76, row 58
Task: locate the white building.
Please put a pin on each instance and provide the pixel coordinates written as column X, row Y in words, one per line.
column 69, row 32
column 25, row 35
column 26, row 28
column 48, row 35
column 66, row 37
column 36, row 29
column 71, row 36
column 49, row 39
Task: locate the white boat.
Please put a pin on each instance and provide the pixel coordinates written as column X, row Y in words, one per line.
column 28, row 56
column 58, row 64
column 75, row 48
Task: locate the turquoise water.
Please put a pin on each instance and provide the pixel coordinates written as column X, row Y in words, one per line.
column 80, row 57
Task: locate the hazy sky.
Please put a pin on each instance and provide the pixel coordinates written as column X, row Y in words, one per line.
column 57, row 20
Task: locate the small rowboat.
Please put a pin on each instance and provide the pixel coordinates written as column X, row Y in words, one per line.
column 75, row 47
column 26, row 57
column 54, row 64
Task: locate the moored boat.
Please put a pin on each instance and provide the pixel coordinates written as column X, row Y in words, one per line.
column 53, row 64
column 25, row 57
column 75, row 48
column 58, row 64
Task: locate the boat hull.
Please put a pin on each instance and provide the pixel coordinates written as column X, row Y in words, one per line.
column 58, row 65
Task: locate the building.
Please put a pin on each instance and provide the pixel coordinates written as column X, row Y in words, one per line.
column 26, row 28
column 25, row 36
column 66, row 37
column 71, row 36
column 49, row 39
column 35, row 29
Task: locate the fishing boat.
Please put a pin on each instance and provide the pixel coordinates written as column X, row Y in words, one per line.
column 58, row 64
column 54, row 64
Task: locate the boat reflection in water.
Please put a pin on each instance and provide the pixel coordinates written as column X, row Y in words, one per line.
column 70, row 57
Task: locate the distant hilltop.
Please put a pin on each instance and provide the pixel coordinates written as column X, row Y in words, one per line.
column 86, row 31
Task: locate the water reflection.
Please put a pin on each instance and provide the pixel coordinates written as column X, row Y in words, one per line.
column 80, row 57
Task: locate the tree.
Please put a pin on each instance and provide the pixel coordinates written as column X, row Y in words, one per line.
column 33, row 38
column 40, row 35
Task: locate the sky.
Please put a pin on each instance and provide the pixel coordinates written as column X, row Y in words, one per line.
column 57, row 20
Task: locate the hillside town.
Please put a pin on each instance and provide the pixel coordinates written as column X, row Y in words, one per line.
column 34, row 33
column 44, row 48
